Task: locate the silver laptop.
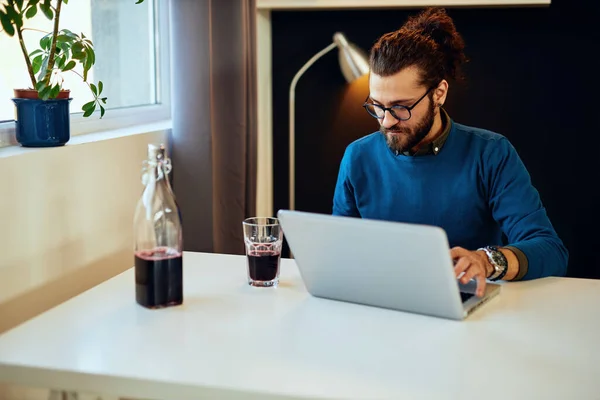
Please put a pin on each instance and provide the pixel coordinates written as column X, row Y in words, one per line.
column 393, row 265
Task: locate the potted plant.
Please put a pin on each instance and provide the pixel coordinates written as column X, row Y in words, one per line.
column 42, row 111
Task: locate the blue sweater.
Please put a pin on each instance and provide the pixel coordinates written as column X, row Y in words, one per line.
column 475, row 188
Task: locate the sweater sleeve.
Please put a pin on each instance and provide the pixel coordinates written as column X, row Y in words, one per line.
column 517, row 207
column 344, row 202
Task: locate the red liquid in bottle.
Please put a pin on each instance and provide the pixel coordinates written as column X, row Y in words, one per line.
column 159, row 278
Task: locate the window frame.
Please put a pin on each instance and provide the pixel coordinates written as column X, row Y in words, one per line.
column 124, row 117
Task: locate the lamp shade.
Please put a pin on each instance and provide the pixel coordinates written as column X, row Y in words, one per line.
column 353, row 60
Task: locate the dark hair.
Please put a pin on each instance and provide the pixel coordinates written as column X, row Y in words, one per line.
column 428, row 41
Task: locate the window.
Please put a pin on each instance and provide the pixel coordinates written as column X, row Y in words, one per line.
column 132, row 60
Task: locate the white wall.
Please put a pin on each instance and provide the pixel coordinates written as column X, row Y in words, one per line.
column 65, row 224
column 65, row 220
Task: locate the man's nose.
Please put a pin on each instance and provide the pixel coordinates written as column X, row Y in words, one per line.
column 388, row 120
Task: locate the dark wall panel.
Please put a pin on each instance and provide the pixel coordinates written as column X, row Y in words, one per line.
column 531, row 77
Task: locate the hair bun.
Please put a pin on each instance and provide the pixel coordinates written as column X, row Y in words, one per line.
column 429, row 41
column 435, row 24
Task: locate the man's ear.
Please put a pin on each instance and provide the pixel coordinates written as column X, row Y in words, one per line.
column 440, row 93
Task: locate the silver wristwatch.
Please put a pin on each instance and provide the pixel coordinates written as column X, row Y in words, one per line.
column 498, row 261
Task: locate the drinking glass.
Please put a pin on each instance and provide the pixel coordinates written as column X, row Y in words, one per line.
column 263, row 239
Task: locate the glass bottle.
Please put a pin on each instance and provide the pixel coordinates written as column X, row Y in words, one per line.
column 158, row 236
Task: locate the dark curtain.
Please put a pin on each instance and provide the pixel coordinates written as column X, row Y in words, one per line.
column 214, row 97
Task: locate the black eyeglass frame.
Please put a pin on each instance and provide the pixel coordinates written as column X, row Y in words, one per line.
column 391, row 109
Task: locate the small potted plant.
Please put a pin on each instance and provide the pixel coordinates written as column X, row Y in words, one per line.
column 42, row 111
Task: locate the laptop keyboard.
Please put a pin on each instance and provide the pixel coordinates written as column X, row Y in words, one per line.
column 465, row 296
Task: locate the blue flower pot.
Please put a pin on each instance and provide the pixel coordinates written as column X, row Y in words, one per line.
column 42, row 123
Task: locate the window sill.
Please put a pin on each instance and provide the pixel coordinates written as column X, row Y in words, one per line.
column 114, row 120
column 16, row 150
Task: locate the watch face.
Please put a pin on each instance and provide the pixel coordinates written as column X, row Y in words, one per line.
column 497, row 257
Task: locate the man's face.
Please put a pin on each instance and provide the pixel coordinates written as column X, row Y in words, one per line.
column 403, row 89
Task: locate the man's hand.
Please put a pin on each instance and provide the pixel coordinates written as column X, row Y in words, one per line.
column 474, row 264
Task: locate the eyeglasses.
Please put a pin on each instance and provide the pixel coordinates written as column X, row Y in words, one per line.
column 401, row 113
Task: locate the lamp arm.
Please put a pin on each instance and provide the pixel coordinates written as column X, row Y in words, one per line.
column 292, row 134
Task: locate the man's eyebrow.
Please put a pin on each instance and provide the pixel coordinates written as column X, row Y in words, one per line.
column 393, row 102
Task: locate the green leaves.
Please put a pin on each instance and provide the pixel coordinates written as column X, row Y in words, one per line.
column 37, row 63
column 40, row 86
column 54, row 91
column 35, row 53
column 70, row 50
column 89, row 107
column 11, row 18
column 46, row 42
column 46, row 92
column 46, row 8
column 42, row 69
column 69, row 66
column 79, row 47
column 31, row 12
column 32, row 3
column 17, row 10
column 7, row 23
column 48, row 61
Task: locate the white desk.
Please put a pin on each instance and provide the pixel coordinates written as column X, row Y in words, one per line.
column 537, row 340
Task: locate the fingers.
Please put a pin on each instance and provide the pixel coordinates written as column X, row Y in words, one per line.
column 457, row 252
column 461, row 266
column 473, row 270
column 481, row 282
column 470, row 267
column 471, row 273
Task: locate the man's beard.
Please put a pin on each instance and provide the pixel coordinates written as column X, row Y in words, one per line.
column 401, row 138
